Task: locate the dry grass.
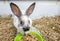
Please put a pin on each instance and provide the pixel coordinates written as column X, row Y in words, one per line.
column 48, row 26
column 7, row 30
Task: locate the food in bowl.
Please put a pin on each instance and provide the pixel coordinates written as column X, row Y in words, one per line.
column 29, row 37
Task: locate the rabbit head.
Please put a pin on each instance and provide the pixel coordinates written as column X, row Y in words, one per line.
column 24, row 22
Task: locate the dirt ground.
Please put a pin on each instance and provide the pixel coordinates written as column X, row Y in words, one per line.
column 49, row 28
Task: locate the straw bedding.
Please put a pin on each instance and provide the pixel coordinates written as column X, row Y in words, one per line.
column 49, row 28
column 7, row 30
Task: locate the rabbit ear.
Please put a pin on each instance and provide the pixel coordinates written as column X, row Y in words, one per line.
column 30, row 9
column 15, row 9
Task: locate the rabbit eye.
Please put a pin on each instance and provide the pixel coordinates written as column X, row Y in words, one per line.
column 21, row 22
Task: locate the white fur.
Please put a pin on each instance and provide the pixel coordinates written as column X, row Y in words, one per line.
column 19, row 29
column 26, row 18
column 16, row 23
column 22, row 22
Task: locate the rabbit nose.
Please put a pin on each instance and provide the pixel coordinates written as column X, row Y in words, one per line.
column 26, row 29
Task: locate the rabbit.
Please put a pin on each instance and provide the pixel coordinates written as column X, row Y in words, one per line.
column 22, row 22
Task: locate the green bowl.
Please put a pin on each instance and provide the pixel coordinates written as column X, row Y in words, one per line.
column 19, row 36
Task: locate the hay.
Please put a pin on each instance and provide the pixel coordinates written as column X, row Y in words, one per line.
column 48, row 26
column 7, row 30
